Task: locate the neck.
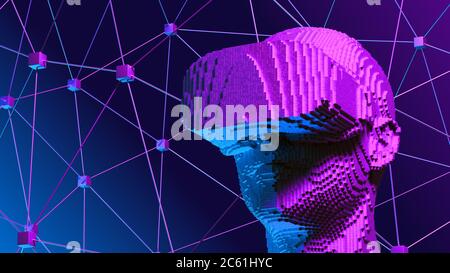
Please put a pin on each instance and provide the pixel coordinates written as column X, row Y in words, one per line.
column 356, row 236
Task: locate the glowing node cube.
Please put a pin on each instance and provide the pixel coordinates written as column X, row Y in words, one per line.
column 37, row 60
column 162, row 145
column 74, row 85
column 125, row 73
column 27, row 238
column 84, row 182
column 7, row 102
column 419, row 42
column 170, row 29
column 399, row 249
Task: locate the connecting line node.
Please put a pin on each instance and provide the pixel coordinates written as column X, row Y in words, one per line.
column 7, row 102
column 27, row 238
column 84, row 182
column 162, row 145
column 170, row 29
column 37, row 60
column 125, row 73
column 74, row 85
column 419, row 42
column 399, row 250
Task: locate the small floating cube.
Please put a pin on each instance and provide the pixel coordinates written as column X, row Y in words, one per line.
column 74, row 85
column 399, row 249
column 162, row 145
column 84, row 182
column 125, row 73
column 170, row 29
column 419, row 42
column 7, row 102
column 37, row 60
column 27, row 238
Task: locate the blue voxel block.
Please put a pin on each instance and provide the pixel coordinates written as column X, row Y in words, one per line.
column 84, row 182
column 74, row 85
column 7, row 102
column 162, row 145
column 170, row 29
column 37, row 60
column 125, row 73
column 419, row 42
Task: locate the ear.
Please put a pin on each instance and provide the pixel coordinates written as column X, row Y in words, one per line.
column 383, row 144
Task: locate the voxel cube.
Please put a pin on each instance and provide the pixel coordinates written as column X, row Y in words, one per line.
column 315, row 191
column 37, row 60
column 27, row 238
column 7, row 102
column 125, row 73
column 162, row 145
column 399, row 250
column 84, row 182
column 170, row 29
column 74, row 85
column 419, row 42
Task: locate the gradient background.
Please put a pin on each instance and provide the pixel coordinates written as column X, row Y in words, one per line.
column 193, row 201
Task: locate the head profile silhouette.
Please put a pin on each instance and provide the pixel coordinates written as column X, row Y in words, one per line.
column 336, row 133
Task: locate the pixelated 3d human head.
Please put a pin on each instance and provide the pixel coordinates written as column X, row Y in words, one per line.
column 337, row 132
